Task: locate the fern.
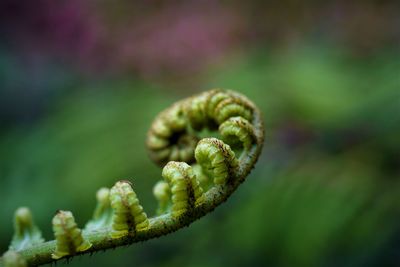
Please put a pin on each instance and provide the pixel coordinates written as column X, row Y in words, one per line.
column 199, row 174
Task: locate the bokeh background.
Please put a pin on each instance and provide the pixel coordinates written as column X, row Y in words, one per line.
column 80, row 82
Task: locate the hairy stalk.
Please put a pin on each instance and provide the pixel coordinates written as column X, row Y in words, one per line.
column 183, row 198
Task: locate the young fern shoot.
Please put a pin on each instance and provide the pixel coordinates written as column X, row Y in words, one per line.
column 199, row 174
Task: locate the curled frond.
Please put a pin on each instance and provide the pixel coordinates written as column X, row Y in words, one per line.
column 238, row 130
column 195, row 108
column 222, row 105
column 214, row 97
column 185, row 189
column 68, row 236
column 202, row 176
column 168, row 138
column 128, row 216
column 230, row 108
column 217, row 158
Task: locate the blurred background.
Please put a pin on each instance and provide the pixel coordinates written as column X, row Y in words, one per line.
column 81, row 81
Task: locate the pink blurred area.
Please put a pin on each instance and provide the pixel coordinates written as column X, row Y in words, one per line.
column 44, row 28
column 179, row 38
column 104, row 38
column 163, row 38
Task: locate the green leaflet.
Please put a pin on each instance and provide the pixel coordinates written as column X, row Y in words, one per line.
column 128, row 216
column 68, row 236
column 222, row 104
column 195, row 108
column 26, row 233
column 185, row 189
column 217, row 158
column 102, row 215
column 202, row 177
column 162, row 193
column 214, row 97
column 231, row 107
column 238, row 130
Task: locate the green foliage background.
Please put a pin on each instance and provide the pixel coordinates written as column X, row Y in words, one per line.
column 325, row 191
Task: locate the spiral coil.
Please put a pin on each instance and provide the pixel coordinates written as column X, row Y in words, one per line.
column 199, row 174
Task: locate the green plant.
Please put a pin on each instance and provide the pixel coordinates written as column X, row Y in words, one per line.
column 199, row 174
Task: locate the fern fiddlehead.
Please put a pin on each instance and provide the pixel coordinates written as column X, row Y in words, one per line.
column 199, row 174
column 69, row 239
